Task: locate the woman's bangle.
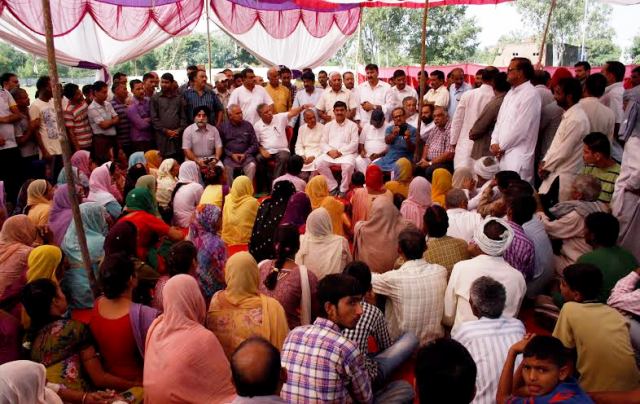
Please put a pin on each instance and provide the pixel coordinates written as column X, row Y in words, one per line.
column 84, row 397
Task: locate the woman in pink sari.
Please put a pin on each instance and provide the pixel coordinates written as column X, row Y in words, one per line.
column 416, row 204
column 363, row 198
column 184, row 361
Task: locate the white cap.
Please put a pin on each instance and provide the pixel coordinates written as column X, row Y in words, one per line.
column 220, row 77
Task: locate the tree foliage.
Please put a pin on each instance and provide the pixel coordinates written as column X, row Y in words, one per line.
column 634, row 50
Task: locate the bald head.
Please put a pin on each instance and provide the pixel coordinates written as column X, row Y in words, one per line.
column 255, row 366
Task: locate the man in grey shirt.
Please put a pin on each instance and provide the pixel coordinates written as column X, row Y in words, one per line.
column 168, row 118
column 201, row 141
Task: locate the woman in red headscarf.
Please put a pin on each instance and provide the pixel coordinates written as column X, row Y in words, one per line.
column 364, row 197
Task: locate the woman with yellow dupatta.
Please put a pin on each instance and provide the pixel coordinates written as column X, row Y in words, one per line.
column 240, row 311
column 153, row 161
column 239, row 212
column 402, row 176
column 39, row 195
column 440, row 185
column 317, row 189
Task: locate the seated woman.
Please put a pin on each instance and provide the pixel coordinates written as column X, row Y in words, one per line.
column 186, row 195
column 166, row 180
column 118, row 325
column 212, row 253
column 317, row 189
column 65, row 348
column 440, row 185
column 39, row 195
column 289, row 283
column 364, row 197
column 75, row 281
column 139, row 211
column 269, row 215
column 184, row 361
column 240, row 311
column 81, row 180
column 154, row 159
column 298, row 209
column 239, row 212
column 83, row 162
column 137, row 158
column 149, row 182
column 60, row 215
column 322, row 251
column 181, row 260
column 416, row 204
column 16, row 243
column 102, row 190
column 339, row 219
column 43, row 263
column 25, row 382
column 215, row 189
column 402, row 176
column 133, row 174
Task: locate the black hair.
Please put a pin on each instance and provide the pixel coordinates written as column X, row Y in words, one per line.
column 360, row 270
column 397, row 200
column 371, row 66
column 167, row 76
column 192, row 68
column 436, row 221
column 540, row 77
column 323, row 71
column 133, row 83
column 118, row 75
column 99, row 85
column 115, row 272
column 438, row 73
column 147, row 76
column 308, row 76
column 546, row 347
column 284, row 69
column 525, row 66
column 357, row 178
column 340, row 104
column 571, row 86
column 117, row 84
column 583, row 64
column 489, row 74
column 445, row 373
column 399, row 73
column 617, row 69
column 504, row 177
column 192, row 75
column 43, row 82
column 87, row 88
column 237, row 76
column 501, row 84
column 334, row 287
column 494, row 230
column 287, row 240
column 598, row 143
column 244, row 72
column 267, row 383
column 6, row 77
column 604, row 227
column 522, row 208
column 412, row 243
column 295, row 164
column 70, row 90
column 636, row 70
column 596, row 84
column 181, row 256
column 585, row 279
column 213, row 175
column 36, row 298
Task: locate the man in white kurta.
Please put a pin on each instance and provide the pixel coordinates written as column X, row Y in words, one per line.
column 339, row 147
column 563, row 160
column 438, row 94
column 467, row 112
column 333, row 94
column 249, row 96
column 515, row 135
column 309, row 142
column 371, row 144
column 625, row 202
column 601, row 118
column 614, row 72
column 399, row 92
column 372, row 95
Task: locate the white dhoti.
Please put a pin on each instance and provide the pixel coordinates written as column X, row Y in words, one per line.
column 347, row 165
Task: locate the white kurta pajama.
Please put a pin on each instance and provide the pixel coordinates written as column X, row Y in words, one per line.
column 516, row 130
column 601, row 118
column 377, row 95
column 344, row 138
column 625, row 204
column 467, row 112
column 372, row 139
column 564, row 157
column 309, row 143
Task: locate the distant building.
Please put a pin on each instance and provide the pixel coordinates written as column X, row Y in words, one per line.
column 553, row 55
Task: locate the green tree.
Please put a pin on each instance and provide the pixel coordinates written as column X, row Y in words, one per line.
column 634, row 51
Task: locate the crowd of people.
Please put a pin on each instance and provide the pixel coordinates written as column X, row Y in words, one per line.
column 321, row 241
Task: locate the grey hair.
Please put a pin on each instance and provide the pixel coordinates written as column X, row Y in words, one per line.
column 589, row 186
column 488, row 297
column 461, row 174
column 455, row 198
column 261, row 107
column 409, row 98
column 231, row 106
column 333, row 73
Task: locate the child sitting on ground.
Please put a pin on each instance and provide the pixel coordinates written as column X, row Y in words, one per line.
column 544, row 376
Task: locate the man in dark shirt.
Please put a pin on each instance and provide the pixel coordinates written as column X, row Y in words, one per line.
column 240, row 144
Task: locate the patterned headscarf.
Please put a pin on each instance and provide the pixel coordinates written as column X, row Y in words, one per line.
column 212, row 254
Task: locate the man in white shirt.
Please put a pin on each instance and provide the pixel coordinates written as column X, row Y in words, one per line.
column 201, row 141
column 399, row 92
column 309, row 142
column 372, row 146
column 349, row 80
column 9, row 151
column 468, row 110
column 310, row 94
column 457, row 89
column 414, row 292
column 462, row 223
column 333, row 94
column 487, row 299
column 601, row 118
column 249, row 96
column 294, row 167
column 562, row 161
column 103, row 120
column 614, row 72
column 514, row 137
column 410, row 105
column 491, row 239
column 43, row 114
column 372, row 95
column 339, row 147
column 438, row 94
column 540, row 80
column 271, row 132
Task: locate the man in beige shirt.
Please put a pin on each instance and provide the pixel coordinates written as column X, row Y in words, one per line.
column 333, row 94
column 438, row 94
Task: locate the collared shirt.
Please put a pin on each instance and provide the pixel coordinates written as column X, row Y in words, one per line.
column 297, row 182
column 612, row 98
column 76, row 120
column 457, row 309
column 304, row 98
column 139, row 115
column 377, row 95
column 446, row 251
column 462, row 223
column 208, row 98
column 249, row 101
column 439, row 97
column 438, row 141
column 371, row 324
column 223, row 97
column 625, row 296
column 546, row 96
column 309, row 142
column 455, row 94
column 373, row 138
column 7, row 131
column 338, row 374
column 48, row 130
column 273, row 136
column 415, row 293
column 396, row 96
column 606, row 176
column 521, row 253
column 123, row 127
column 534, row 229
column 601, row 118
column 497, row 333
column 29, row 148
column 330, row 97
column 293, row 90
column 238, row 139
column 340, row 136
column 168, row 113
column 424, row 128
column 203, row 142
column 101, row 112
column 281, row 97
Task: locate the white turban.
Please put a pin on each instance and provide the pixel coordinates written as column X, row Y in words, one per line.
column 489, row 246
column 484, row 168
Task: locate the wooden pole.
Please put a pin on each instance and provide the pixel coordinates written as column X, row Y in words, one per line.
column 546, row 31
column 423, row 79
column 64, row 142
column 206, row 7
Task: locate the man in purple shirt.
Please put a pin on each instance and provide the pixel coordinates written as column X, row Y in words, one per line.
column 139, row 114
column 521, row 253
column 240, row 144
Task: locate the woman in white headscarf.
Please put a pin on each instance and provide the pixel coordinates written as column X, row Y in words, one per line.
column 167, row 173
column 25, row 382
column 186, row 194
column 321, row 251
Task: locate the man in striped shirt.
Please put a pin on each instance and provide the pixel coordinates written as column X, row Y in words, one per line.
column 596, row 153
column 198, row 95
column 76, row 119
column 489, row 338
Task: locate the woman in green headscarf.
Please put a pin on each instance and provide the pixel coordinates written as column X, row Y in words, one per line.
column 149, row 182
